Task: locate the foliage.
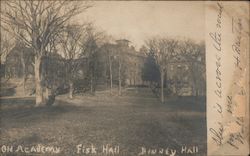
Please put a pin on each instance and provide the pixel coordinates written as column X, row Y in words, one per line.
column 150, row 70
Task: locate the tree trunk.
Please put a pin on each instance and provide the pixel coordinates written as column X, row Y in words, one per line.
column 196, row 92
column 195, row 86
column 71, row 89
column 110, row 74
column 162, row 86
column 194, row 77
column 91, row 84
column 24, row 72
column 40, row 101
column 46, row 93
column 24, row 85
column 166, row 78
column 120, row 81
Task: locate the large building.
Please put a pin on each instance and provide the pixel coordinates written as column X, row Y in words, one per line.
column 130, row 61
column 19, row 57
column 186, row 77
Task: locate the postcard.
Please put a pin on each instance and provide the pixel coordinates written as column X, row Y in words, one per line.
column 124, row 78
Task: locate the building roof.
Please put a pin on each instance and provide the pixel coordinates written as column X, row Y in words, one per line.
column 123, row 40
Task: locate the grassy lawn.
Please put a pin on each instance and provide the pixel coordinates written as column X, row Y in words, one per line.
column 135, row 120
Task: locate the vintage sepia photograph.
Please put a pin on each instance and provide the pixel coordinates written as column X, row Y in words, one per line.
column 103, row 78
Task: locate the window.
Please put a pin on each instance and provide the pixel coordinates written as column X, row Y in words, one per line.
column 171, row 67
column 185, row 78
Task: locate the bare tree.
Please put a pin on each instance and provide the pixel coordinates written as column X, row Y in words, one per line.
column 25, row 57
column 70, row 42
column 89, row 49
column 120, row 54
column 194, row 55
column 40, row 21
column 7, row 43
column 10, row 43
column 51, row 55
column 163, row 50
column 24, row 61
column 109, row 49
column 150, row 70
column 120, row 65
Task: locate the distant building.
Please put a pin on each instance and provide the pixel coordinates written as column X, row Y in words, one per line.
column 186, row 78
column 134, row 68
column 123, row 42
column 133, row 62
column 19, row 57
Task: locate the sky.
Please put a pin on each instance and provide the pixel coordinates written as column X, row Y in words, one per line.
column 140, row 20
